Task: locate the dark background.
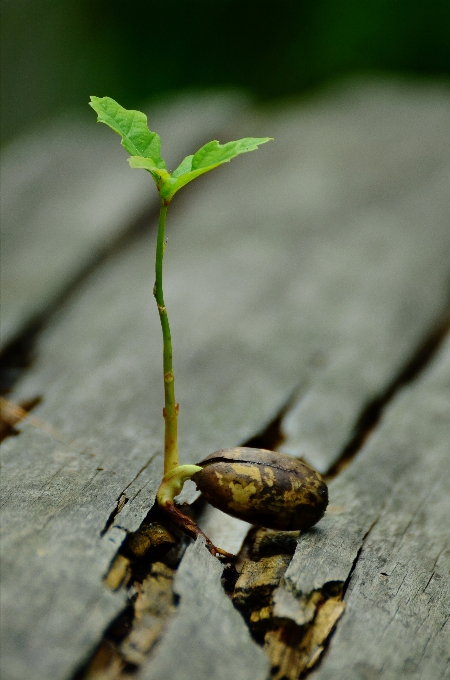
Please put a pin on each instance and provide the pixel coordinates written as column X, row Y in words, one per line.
column 58, row 52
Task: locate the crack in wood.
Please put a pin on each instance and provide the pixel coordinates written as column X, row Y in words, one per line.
column 139, row 472
column 271, row 436
column 356, row 560
column 122, row 500
column 295, row 648
column 433, row 572
column 291, row 648
column 20, row 353
column 144, row 566
column 420, row 358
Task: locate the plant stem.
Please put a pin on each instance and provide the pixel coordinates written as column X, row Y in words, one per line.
column 171, row 408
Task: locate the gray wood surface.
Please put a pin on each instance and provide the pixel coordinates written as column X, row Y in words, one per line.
column 312, row 268
column 397, row 620
column 386, row 533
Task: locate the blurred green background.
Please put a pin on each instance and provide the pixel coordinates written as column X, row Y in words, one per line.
column 55, row 53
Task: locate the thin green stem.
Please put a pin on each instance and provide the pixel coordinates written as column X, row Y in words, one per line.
column 170, row 411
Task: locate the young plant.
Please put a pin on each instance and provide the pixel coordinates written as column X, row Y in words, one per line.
column 263, row 487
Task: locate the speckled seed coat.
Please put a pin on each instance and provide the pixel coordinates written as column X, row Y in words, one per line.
column 263, row 487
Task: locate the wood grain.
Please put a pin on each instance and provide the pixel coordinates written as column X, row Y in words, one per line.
column 386, row 538
column 397, row 620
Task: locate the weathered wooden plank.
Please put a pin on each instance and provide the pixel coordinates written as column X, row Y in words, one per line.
column 335, row 297
column 67, row 194
column 397, row 618
column 340, row 225
column 398, row 601
column 387, row 534
column 207, row 638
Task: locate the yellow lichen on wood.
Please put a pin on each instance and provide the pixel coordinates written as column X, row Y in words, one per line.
column 119, row 573
column 154, row 604
column 150, row 536
column 293, row 649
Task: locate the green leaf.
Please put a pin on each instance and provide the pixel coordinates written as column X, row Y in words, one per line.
column 185, row 166
column 215, row 154
column 131, row 125
column 148, row 164
column 208, row 157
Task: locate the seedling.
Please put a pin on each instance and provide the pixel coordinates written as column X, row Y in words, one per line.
column 261, row 486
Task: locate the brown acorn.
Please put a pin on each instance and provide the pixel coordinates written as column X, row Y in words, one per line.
column 263, row 487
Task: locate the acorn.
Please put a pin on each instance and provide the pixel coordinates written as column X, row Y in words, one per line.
column 263, row 487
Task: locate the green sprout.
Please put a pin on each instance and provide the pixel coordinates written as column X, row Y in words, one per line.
column 262, row 487
column 145, row 149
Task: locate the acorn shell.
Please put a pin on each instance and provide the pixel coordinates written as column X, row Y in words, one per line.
column 263, row 487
